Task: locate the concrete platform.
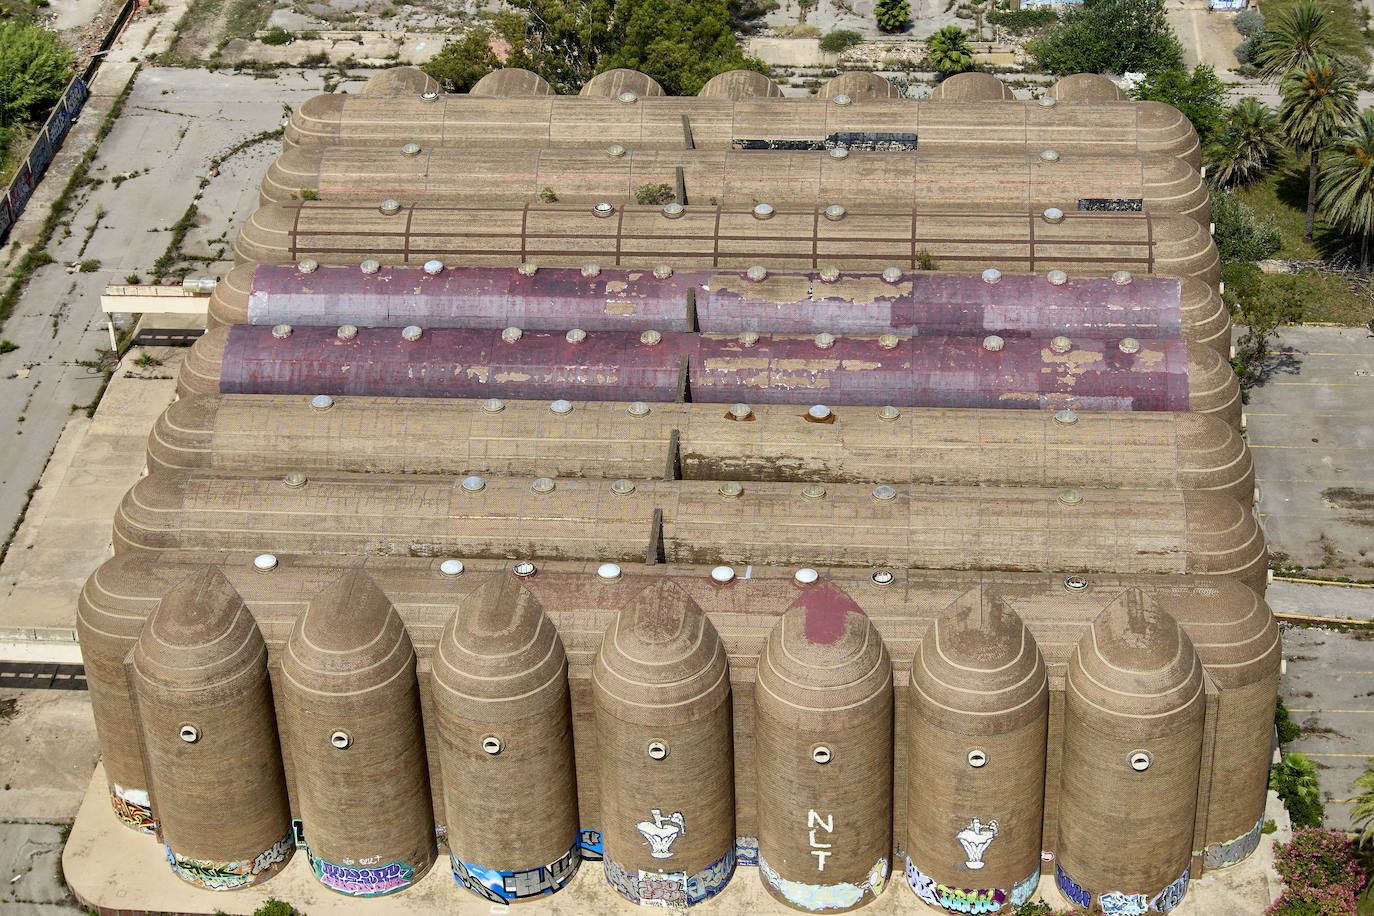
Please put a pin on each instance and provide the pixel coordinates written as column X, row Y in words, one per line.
column 111, row 869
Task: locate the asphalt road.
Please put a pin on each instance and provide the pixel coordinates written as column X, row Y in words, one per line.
column 173, row 123
column 1309, row 430
column 1329, row 691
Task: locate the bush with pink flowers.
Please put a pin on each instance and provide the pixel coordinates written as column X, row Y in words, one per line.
column 1320, row 875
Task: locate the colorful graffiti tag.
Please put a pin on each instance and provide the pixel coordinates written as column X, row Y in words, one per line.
column 1025, row 888
column 363, row 882
column 1070, row 889
column 1220, row 855
column 671, row 888
column 821, row 897
column 504, row 886
column 747, row 850
column 1115, row 903
column 954, row 899
column 228, row 876
column 1172, row 895
column 131, row 806
column 590, row 843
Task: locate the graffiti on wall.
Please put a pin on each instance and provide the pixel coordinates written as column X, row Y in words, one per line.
column 1172, row 895
column 662, row 832
column 976, row 838
column 590, row 843
column 747, row 850
column 505, row 886
column 1115, row 903
column 957, row 899
column 361, row 881
column 132, row 807
column 1070, row 889
column 228, row 876
column 819, row 848
column 1025, row 888
column 821, row 897
column 1220, row 855
column 670, row 888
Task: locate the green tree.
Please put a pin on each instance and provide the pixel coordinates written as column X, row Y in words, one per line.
column 893, row 15
column 1362, row 813
column 34, row 68
column 462, row 63
column 1302, row 31
column 1110, row 36
column 948, row 51
column 1346, row 189
column 1198, row 95
column 1239, row 235
column 1318, row 100
column 1248, row 141
column 680, row 43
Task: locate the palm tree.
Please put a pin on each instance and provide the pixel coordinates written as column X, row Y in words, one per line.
column 948, row 51
column 1303, row 30
column 1249, row 140
column 1346, row 195
column 1318, row 100
column 1363, row 810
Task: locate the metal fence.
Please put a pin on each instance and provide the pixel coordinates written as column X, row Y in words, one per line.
column 49, row 139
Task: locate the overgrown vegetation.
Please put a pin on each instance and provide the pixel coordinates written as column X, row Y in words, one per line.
column 1198, row 95
column 34, row 69
column 274, row 907
column 462, row 63
column 1320, row 874
column 892, row 15
column 840, row 40
column 1284, row 725
column 1109, row 36
column 1295, row 780
column 1023, row 20
column 655, row 194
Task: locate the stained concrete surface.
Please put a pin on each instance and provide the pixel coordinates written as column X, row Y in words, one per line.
column 1329, row 691
column 1320, row 600
column 1309, row 429
column 47, row 749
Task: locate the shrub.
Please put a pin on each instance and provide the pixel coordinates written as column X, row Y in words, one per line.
column 546, row 196
column 1248, row 22
column 840, row 40
column 655, row 194
column 1288, row 729
column 34, row 68
column 1320, row 874
column 925, row 260
column 1026, row 19
column 1239, row 235
column 274, row 907
column 893, row 15
column 1295, row 781
column 90, row 265
column 8, row 346
column 276, row 36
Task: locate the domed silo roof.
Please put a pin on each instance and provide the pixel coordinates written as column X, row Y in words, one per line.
column 740, row 84
column 1087, row 87
column 979, row 659
column 511, row 81
column 860, row 86
column 972, row 87
column 609, row 84
column 399, row 82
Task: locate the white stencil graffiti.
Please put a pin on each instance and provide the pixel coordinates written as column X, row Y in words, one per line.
column 1119, row 904
column 975, row 838
column 662, row 832
column 820, row 850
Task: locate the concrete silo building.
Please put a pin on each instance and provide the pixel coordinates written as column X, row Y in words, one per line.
column 842, row 524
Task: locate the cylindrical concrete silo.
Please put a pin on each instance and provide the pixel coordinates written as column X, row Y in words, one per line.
column 739, row 84
column 500, row 688
column 351, row 707
column 976, row 729
column 511, row 81
column 1133, row 720
column 823, row 754
column 614, row 84
column 661, row 696
column 399, row 83
column 209, row 730
column 1237, row 641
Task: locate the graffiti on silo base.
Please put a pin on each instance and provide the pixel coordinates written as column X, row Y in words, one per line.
column 1025, row 888
column 505, row 886
column 1070, row 889
column 670, row 888
column 1220, row 855
column 975, row 839
column 228, row 876
column 590, row 843
column 1172, row 895
column 956, row 899
column 132, row 807
column 1115, row 903
column 362, row 882
column 821, row 897
column 747, row 850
